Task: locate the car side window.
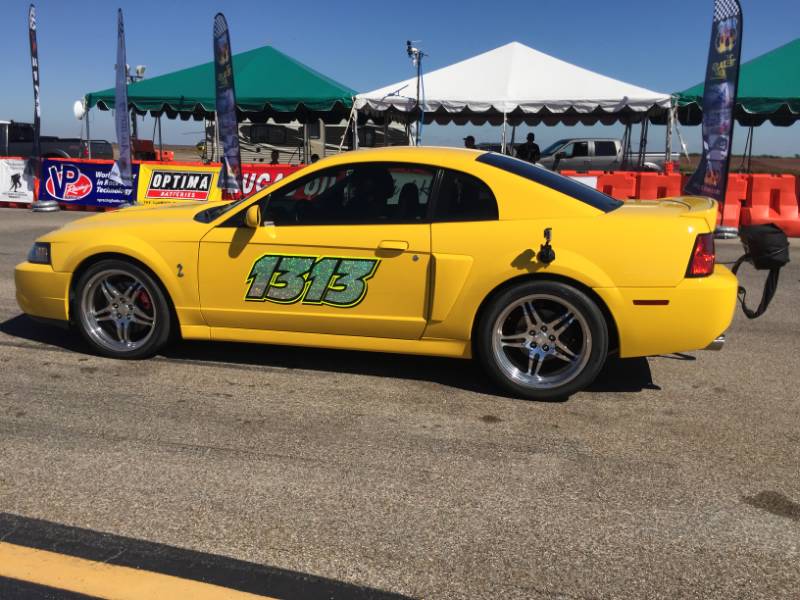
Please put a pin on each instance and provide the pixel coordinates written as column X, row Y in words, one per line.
column 355, row 194
column 579, row 149
column 463, row 197
column 20, row 133
column 605, row 149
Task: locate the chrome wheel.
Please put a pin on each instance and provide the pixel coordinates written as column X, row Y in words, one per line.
column 118, row 311
column 541, row 341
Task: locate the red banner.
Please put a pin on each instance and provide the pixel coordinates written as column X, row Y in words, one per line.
column 256, row 176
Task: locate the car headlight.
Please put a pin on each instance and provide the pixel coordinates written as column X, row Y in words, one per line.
column 40, row 253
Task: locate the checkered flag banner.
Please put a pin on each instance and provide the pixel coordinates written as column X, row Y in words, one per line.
column 725, row 9
column 719, row 102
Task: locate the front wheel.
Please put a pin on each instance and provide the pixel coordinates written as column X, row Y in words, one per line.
column 121, row 310
column 542, row 340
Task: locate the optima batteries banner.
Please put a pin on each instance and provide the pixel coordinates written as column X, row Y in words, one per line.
column 167, row 183
column 84, row 183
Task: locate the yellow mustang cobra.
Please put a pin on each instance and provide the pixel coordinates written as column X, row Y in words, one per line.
column 435, row 251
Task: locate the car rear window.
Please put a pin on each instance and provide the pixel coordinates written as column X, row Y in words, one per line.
column 554, row 181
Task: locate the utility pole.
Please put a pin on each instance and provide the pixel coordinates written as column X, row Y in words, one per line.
column 138, row 75
column 416, row 55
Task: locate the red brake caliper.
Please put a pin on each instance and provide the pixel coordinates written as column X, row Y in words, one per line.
column 144, row 300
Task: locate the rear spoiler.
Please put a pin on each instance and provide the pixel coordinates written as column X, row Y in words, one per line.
column 698, row 206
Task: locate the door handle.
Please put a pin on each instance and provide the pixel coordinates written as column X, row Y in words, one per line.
column 396, row 245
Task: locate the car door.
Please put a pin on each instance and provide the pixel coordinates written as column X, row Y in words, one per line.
column 575, row 156
column 345, row 250
column 606, row 155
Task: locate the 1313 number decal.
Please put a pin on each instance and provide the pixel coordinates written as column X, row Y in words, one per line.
column 286, row 279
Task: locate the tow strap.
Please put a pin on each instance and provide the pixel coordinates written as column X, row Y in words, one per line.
column 766, row 247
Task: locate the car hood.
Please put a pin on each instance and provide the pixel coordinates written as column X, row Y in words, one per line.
column 170, row 222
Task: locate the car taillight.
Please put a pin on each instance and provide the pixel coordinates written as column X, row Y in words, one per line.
column 703, row 256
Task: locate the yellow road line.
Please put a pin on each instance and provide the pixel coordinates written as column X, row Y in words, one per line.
column 103, row 580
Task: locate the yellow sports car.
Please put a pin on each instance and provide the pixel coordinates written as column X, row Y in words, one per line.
column 445, row 252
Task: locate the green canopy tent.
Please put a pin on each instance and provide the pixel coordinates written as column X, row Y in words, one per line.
column 269, row 84
column 769, row 90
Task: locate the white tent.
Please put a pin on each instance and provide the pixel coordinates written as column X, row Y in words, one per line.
column 515, row 83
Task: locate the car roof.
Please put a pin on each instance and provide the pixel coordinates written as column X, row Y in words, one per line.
column 421, row 154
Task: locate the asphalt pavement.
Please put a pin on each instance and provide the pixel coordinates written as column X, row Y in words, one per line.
column 673, row 477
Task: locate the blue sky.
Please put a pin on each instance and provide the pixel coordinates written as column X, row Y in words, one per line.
column 658, row 45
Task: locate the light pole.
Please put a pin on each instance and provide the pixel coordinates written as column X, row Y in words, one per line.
column 416, row 55
column 138, row 75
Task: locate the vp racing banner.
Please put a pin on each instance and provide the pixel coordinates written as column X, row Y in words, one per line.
column 719, row 99
column 167, row 183
column 230, row 177
column 84, row 183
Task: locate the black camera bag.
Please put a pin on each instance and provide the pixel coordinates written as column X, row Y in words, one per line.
column 767, row 249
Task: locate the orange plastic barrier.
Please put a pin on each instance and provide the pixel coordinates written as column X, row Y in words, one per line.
column 735, row 194
column 773, row 199
column 620, row 185
column 653, row 186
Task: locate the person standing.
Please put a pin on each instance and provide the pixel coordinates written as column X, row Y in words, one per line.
column 469, row 142
column 529, row 151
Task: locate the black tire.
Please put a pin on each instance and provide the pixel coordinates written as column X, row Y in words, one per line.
column 147, row 302
column 509, row 339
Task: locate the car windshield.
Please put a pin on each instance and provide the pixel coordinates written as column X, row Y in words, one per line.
column 559, row 183
column 553, row 147
column 209, row 214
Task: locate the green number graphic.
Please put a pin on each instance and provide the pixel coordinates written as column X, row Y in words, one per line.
column 260, row 276
column 286, row 279
column 288, row 283
column 320, row 277
column 349, row 286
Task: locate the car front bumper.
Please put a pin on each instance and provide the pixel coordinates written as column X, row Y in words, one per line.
column 42, row 292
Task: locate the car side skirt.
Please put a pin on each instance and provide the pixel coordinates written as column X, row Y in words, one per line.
column 424, row 346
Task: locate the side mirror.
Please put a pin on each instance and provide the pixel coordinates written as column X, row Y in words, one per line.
column 560, row 155
column 252, row 218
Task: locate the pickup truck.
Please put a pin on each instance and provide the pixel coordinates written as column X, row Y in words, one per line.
column 596, row 154
column 16, row 139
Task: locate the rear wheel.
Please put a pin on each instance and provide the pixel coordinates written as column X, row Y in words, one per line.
column 542, row 340
column 121, row 310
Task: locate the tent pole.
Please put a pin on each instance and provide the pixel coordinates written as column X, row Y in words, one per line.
column 642, row 143
column 347, row 126
column 160, row 139
column 503, row 143
column 306, row 141
column 742, row 167
column 751, row 135
column 513, row 135
column 88, row 134
column 205, row 139
column 668, row 153
column 626, row 146
column 216, row 135
column 385, row 132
